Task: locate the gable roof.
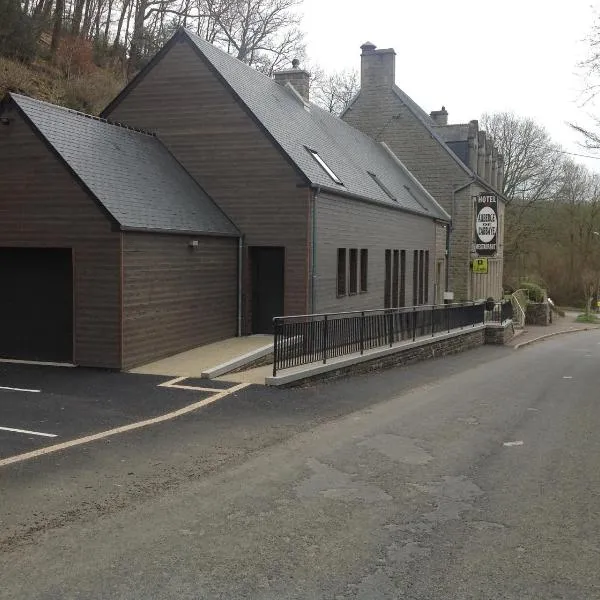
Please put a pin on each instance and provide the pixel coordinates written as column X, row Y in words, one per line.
column 130, row 172
column 297, row 127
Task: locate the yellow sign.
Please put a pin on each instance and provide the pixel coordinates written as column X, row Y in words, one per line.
column 480, row 265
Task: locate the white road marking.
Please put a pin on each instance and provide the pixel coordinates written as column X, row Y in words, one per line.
column 567, row 377
column 35, row 362
column 13, row 389
column 124, row 428
column 510, row 444
column 26, row 431
column 174, row 383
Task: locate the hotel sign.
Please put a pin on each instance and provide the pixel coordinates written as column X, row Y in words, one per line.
column 486, row 224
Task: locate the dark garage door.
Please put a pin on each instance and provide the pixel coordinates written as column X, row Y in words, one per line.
column 36, row 304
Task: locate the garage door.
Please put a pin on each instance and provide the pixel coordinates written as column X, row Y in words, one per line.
column 36, row 304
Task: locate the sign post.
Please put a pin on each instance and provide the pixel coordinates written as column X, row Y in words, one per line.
column 486, row 224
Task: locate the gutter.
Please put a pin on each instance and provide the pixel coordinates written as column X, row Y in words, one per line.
column 239, row 284
column 316, row 189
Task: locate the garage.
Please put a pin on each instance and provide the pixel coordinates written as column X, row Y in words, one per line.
column 36, row 304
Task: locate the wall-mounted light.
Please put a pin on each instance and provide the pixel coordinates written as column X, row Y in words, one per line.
column 193, row 244
column 5, row 120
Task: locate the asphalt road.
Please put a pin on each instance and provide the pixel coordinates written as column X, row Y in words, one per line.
column 471, row 477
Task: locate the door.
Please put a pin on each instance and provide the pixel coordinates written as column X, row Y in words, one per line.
column 36, row 304
column 267, row 287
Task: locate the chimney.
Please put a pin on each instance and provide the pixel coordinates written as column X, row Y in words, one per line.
column 440, row 116
column 298, row 78
column 494, row 177
column 473, row 140
column 500, row 175
column 481, row 154
column 377, row 67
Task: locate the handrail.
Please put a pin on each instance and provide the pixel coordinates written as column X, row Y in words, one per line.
column 303, row 339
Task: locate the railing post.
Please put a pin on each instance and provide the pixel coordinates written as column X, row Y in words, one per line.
column 362, row 333
column 447, row 312
column 432, row 320
column 275, row 345
column 414, row 323
column 325, row 332
column 390, row 328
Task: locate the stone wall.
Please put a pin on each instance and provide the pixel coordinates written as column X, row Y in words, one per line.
column 498, row 333
column 408, row 356
column 537, row 314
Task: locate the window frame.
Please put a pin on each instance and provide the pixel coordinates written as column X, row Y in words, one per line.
column 353, row 266
column 319, row 160
column 364, row 270
column 341, row 287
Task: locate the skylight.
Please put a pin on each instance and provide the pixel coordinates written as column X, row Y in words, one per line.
column 384, row 189
column 324, row 166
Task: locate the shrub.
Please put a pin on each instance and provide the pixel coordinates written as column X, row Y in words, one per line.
column 91, row 93
column 584, row 318
column 534, row 292
column 75, row 57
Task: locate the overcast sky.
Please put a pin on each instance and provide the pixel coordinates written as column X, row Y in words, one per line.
column 472, row 56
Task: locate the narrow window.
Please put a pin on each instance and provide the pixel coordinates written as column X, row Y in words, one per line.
column 353, row 270
column 421, row 273
column 395, row 273
column 402, row 278
column 426, row 270
column 415, row 277
column 364, row 269
column 388, row 282
column 383, row 188
column 341, row 272
column 324, row 166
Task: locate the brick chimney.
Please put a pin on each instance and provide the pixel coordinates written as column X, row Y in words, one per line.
column 440, row 116
column 377, row 67
column 298, row 78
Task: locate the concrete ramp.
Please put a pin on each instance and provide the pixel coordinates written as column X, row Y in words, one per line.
column 214, row 360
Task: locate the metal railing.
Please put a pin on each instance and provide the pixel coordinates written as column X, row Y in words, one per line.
column 501, row 312
column 304, row 339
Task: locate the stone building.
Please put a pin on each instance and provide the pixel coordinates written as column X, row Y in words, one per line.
column 456, row 163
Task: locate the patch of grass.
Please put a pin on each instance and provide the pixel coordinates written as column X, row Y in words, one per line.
column 587, row 318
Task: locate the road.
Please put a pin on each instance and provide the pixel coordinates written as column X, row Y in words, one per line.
column 475, row 476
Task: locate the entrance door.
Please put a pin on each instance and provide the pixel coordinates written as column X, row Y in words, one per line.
column 267, row 287
column 36, row 304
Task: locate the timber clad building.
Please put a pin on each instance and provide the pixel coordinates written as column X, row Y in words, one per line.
column 226, row 199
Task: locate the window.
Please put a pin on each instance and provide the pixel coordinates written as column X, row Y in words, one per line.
column 426, row 275
column 415, row 277
column 364, row 269
column 388, row 281
column 395, row 273
column 421, row 273
column 324, row 166
column 402, row 300
column 353, row 270
column 341, row 272
column 383, row 188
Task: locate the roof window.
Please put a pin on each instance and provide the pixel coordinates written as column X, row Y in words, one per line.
column 324, row 166
column 384, row 189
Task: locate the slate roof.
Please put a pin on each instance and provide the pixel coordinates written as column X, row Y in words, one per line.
column 296, row 126
column 130, row 172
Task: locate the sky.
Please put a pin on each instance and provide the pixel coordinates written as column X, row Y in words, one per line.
column 472, row 56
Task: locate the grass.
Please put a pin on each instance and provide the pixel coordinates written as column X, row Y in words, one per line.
column 587, row 318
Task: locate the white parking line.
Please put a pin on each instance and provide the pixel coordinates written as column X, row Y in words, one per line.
column 26, row 431
column 123, row 429
column 13, row 389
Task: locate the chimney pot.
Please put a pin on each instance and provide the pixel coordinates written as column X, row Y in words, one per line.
column 440, row 116
column 368, row 47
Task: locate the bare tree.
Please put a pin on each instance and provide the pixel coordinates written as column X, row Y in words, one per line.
column 334, row 91
column 531, row 160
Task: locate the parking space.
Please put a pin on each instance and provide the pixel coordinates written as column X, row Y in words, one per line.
column 43, row 405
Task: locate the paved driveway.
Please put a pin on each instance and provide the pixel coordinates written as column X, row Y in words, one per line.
column 41, row 406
